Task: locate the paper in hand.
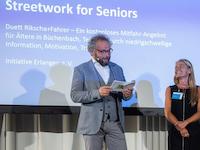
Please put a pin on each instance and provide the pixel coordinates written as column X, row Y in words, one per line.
column 118, row 86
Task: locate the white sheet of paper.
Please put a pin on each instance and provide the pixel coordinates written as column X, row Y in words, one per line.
column 120, row 85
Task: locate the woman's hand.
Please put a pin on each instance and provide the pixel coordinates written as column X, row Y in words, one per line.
column 184, row 133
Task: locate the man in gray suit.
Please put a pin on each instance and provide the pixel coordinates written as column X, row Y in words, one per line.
column 101, row 118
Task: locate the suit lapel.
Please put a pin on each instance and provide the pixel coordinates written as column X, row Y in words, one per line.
column 94, row 72
column 112, row 71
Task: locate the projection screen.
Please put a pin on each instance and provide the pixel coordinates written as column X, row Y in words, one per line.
column 43, row 40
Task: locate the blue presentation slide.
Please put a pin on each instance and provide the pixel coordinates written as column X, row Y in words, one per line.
column 43, row 40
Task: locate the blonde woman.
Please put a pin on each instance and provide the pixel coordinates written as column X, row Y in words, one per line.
column 182, row 109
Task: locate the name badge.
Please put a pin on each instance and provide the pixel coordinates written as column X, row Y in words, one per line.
column 177, row 95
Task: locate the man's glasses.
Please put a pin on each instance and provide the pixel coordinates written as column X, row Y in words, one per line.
column 103, row 51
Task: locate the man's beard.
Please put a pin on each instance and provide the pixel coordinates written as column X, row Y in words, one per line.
column 103, row 61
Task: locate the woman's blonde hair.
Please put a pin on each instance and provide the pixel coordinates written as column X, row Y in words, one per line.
column 191, row 82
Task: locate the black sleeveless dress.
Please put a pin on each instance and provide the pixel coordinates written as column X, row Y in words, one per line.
column 174, row 136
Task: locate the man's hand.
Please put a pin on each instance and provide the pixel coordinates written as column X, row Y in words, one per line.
column 104, row 90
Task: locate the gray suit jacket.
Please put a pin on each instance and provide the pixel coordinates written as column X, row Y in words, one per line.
column 85, row 85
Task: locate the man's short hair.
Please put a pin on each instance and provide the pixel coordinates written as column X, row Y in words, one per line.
column 94, row 39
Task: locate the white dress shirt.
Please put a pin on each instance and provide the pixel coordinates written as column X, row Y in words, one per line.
column 104, row 71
